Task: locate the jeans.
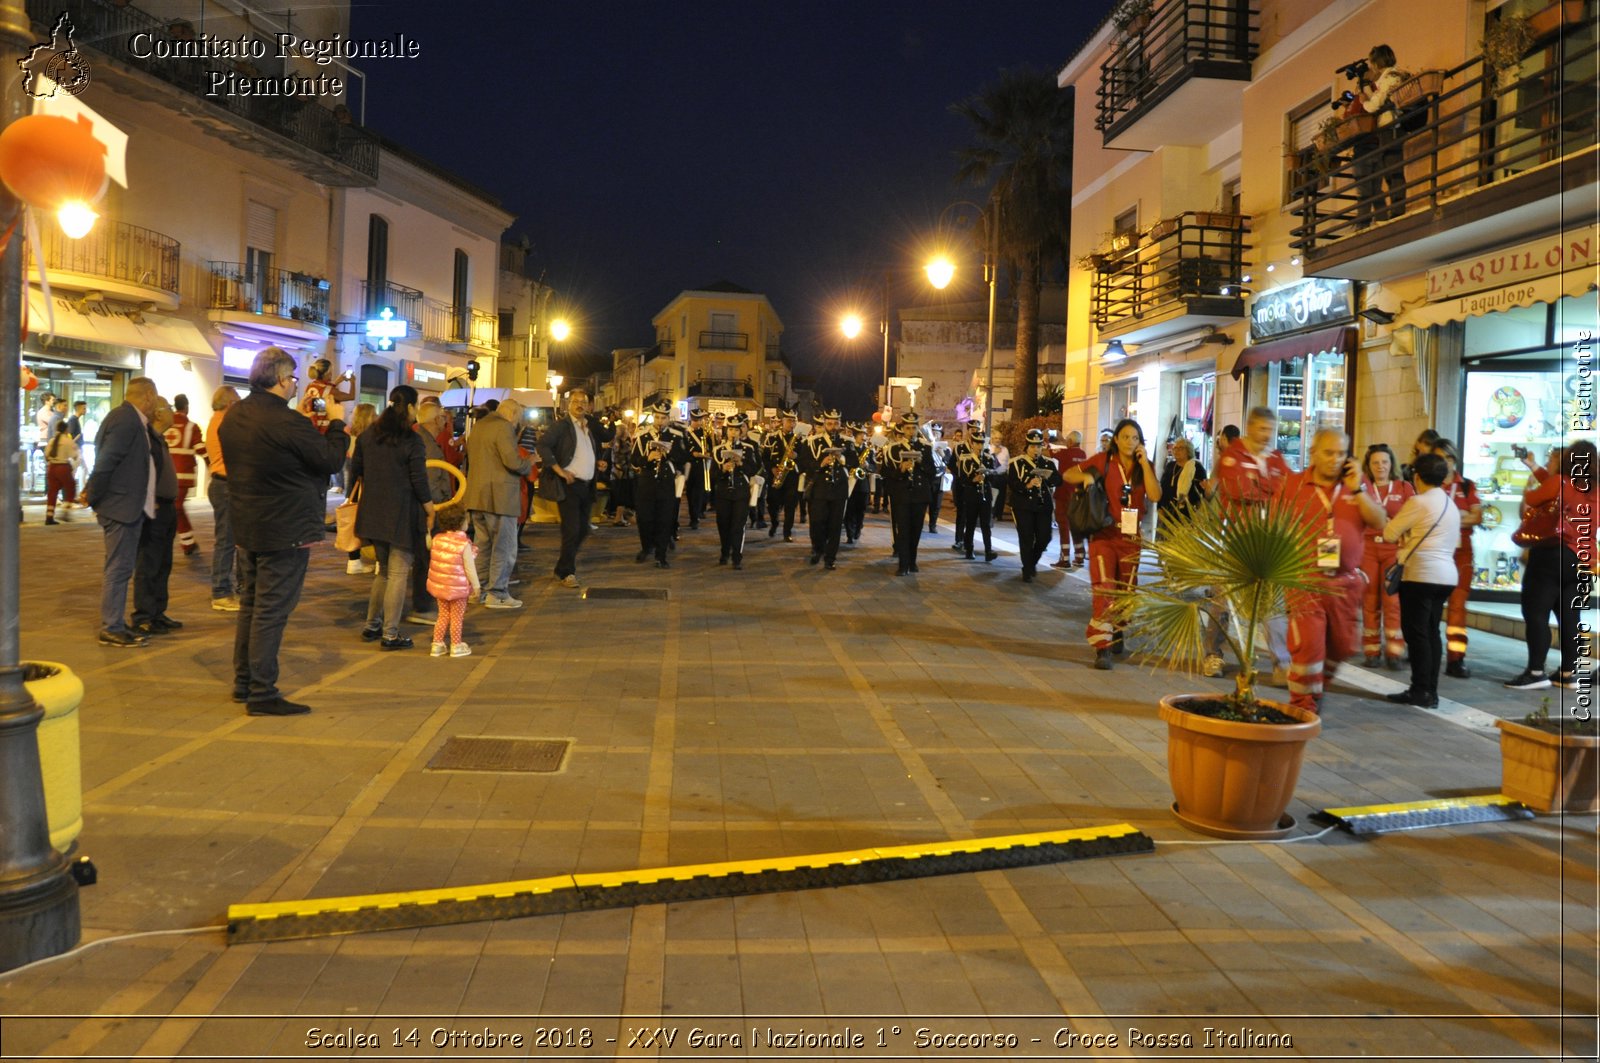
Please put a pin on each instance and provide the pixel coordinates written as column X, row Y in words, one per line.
column 391, row 587
column 153, row 567
column 268, row 592
column 122, row 550
column 224, row 564
column 574, row 506
column 1421, row 613
column 496, row 537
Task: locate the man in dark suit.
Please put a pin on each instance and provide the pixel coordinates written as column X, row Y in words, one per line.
column 571, row 455
column 152, row 570
column 278, row 469
column 122, row 492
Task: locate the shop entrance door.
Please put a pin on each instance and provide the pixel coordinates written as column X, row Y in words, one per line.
column 1197, row 404
column 100, row 388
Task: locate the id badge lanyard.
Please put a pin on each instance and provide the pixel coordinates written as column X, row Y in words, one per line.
column 1328, row 546
column 1128, row 518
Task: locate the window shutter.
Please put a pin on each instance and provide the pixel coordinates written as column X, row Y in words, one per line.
column 261, row 226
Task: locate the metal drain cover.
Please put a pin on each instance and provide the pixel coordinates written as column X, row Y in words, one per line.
column 601, row 593
column 488, row 753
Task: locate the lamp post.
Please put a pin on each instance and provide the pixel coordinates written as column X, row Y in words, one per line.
column 38, row 895
column 941, row 271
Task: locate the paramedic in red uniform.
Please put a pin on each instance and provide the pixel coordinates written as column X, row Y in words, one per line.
column 1068, row 457
column 1129, row 481
column 1332, row 498
column 1381, row 639
column 184, row 443
column 1251, row 471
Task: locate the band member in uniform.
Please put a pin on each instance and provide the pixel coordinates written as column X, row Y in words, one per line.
column 828, row 460
column 855, row 510
column 941, row 457
column 1033, row 480
column 184, row 443
column 1129, row 481
column 655, row 491
column 908, row 464
column 783, row 477
column 323, row 390
column 978, row 468
column 958, row 489
column 697, row 487
column 745, row 433
column 737, row 467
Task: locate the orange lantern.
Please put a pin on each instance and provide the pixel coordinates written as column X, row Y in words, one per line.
column 48, row 161
column 29, row 380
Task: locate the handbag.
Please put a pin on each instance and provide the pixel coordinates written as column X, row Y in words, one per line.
column 1090, row 510
column 1392, row 574
column 344, row 520
column 1539, row 525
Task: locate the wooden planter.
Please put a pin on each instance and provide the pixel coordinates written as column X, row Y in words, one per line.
column 1214, row 220
column 1418, row 88
column 1357, row 125
column 1556, row 17
column 1231, row 779
column 1549, row 772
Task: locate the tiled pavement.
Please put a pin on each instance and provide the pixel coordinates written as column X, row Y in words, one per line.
column 780, row 710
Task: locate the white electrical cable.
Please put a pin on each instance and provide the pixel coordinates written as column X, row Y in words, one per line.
column 1251, row 841
column 106, row 941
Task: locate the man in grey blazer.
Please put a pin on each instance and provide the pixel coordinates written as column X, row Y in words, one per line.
column 122, row 491
column 495, row 470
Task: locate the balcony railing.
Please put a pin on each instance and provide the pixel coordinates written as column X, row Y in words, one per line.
column 668, row 346
column 1474, row 132
column 115, row 250
column 658, row 395
column 722, row 388
column 724, row 341
column 1183, row 39
column 407, row 302
column 443, row 323
column 109, row 27
column 273, row 292
column 1195, row 259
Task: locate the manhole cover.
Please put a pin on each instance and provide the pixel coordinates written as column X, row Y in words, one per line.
column 658, row 593
column 485, row 753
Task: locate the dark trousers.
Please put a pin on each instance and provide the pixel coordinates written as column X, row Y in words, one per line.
column 855, row 511
column 1033, row 534
column 732, row 512
column 1421, row 613
column 152, row 568
column 908, row 514
column 268, row 592
column 783, row 497
column 977, row 518
column 998, row 506
column 574, row 506
column 694, row 490
column 224, row 563
column 933, row 510
column 880, row 493
column 654, row 516
column 1550, row 584
column 959, row 490
column 122, row 551
column 827, row 521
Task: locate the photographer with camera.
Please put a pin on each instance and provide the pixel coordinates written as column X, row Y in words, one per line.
column 1379, row 157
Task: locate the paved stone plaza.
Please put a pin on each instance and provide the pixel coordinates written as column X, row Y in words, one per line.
column 781, row 710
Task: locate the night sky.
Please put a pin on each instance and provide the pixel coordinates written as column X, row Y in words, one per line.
column 798, row 149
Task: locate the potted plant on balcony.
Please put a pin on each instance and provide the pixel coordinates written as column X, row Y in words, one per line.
column 1556, row 17
column 1232, row 759
column 1505, row 44
column 1552, row 765
column 1132, row 16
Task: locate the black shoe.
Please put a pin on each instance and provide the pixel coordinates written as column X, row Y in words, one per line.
column 145, row 628
column 276, row 707
column 772, row 533
column 723, row 560
column 122, row 639
column 914, row 568
column 51, row 520
column 166, row 623
column 814, row 559
column 399, row 642
column 1116, row 644
column 694, row 527
column 902, row 572
column 1102, row 660
column 989, row 555
column 1027, row 577
column 1458, row 669
column 957, row 547
column 970, row 556
column 738, row 566
column 663, row 563
column 371, row 634
column 788, row 538
column 1404, row 697
column 642, row 555
column 933, row 531
column 1528, row 680
column 828, row 565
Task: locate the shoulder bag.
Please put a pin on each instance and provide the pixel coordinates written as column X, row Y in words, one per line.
column 344, row 519
column 1392, row 574
column 1539, row 525
column 1089, row 511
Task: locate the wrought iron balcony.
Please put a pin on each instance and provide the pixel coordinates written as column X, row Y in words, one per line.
column 1181, row 42
column 667, row 346
column 1188, row 271
column 274, row 292
column 1470, row 161
column 443, row 323
column 118, row 258
column 722, row 388
column 658, row 395
column 724, row 341
column 111, row 27
column 407, row 302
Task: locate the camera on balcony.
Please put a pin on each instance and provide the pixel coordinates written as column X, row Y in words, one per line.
column 1356, row 71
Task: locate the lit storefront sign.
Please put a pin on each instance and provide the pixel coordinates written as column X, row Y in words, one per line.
column 1558, row 253
column 1315, row 302
column 384, row 329
column 236, row 361
column 425, row 376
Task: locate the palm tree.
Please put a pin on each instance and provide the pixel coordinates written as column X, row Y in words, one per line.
column 1023, row 152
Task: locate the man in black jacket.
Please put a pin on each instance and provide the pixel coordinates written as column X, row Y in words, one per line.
column 122, row 492
column 278, row 468
column 570, row 454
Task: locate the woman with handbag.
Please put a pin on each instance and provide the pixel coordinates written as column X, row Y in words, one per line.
column 1183, row 484
column 1428, row 528
column 1558, row 530
column 396, row 508
column 1381, row 640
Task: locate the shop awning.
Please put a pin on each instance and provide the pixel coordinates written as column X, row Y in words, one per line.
column 115, row 323
column 1546, row 289
column 1341, row 338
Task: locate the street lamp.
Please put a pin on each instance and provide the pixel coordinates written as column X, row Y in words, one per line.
column 851, row 326
column 941, row 271
column 560, row 330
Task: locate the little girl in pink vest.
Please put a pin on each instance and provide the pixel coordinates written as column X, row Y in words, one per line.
column 452, row 577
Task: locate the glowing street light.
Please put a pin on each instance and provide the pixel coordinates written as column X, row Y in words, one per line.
column 560, row 330
column 940, row 272
column 850, row 325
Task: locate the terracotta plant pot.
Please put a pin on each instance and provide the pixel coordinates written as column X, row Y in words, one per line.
column 1556, row 16
column 1549, row 772
column 1232, row 779
column 59, row 691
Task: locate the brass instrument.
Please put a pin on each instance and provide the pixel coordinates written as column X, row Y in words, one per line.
column 786, row 463
column 705, row 462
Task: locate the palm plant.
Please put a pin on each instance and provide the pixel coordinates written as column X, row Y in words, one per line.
column 1023, row 150
column 1245, row 561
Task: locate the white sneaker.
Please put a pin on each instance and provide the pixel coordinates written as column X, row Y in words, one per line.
column 358, row 567
column 229, row 604
column 436, row 650
column 1211, row 666
column 570, row 580
column 507, row 602
column 461, row 649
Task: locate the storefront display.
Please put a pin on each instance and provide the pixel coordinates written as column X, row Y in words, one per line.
column 1308, row 394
